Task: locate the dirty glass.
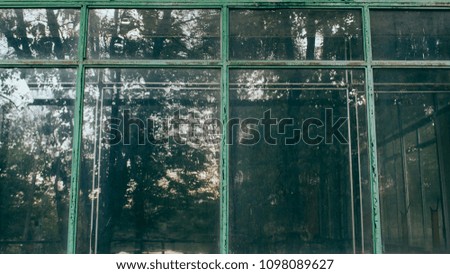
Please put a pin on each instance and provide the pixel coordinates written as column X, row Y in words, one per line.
column 36, row 112
column 410, row 34
column 413, row 149
column 295, row 178
column 295, row 34
column 39, row 33
column 154, row 34
column 150, row 161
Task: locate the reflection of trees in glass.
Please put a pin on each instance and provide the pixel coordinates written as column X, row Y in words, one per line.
column 154, row 34
column 295, row 34
column 410, row 34
column 292, row 198
column 35, row 154
column 150, row 194
column 38, row 33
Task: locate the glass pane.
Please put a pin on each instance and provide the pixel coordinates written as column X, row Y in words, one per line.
column 410, row 34
column 360, row 168
column 443, row 101
column 296, row 34
column 39, row 33
column 154, row 34
column 36, row 113
column 413, row 142
column 426, row 133
column 292, row 176
column 150, row 167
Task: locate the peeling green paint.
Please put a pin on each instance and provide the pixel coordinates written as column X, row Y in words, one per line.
column 372, row 136
column 224, row 112
column 279, row 3
column 77, row 135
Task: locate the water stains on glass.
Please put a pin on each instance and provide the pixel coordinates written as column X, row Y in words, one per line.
column 410, row 34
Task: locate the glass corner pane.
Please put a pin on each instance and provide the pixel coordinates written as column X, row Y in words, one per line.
column 49, row 34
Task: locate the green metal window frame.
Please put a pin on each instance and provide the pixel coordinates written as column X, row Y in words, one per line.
column 225, row 64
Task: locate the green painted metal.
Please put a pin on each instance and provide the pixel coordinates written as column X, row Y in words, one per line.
column 36, row 4
column 77, row 138
column 224, row 111
column 411, row 64
column 372, row 135
column 277, row 3
column 218, row 64
column 228, row 3
column 296, row 63
column 110, row 63
column 152, row 63
column 37, row 64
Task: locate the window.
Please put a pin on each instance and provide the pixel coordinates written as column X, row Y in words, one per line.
column 155, row 178
column 224, row 127
column 411, row 130
column 36, row 119
column 295, row 34
column 293, row 181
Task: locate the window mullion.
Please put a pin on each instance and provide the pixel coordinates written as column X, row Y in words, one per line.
column 77, row 135
column 224, row 172
column 372, row 139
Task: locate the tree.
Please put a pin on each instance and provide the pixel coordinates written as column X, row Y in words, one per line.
column 36, row 130
column 149, row 192
column 35, row 149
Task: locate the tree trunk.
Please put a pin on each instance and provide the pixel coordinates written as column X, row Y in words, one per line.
column 22, row 33
column 54, row 32
column 29, row 198
column 61, row 207
column 159, row 40
column 311, row 38
column 114, row 188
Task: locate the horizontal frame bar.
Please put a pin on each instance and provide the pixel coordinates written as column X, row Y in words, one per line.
column 295, row 63
column 109, row 63
column 29, row 63
column 221, row 3
column 39, row 5
column 411, row 64
column 153, row 63
column 395, row 92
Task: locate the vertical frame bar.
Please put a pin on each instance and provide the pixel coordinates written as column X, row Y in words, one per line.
column 372, row 135
column 77, row 136
column 361, row 205
column 442, row 176
column 350, row 169
column 224, row 168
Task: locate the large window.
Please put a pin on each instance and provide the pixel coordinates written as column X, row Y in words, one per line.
column 224, row 128
column 293, row 183
column 412, row 139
